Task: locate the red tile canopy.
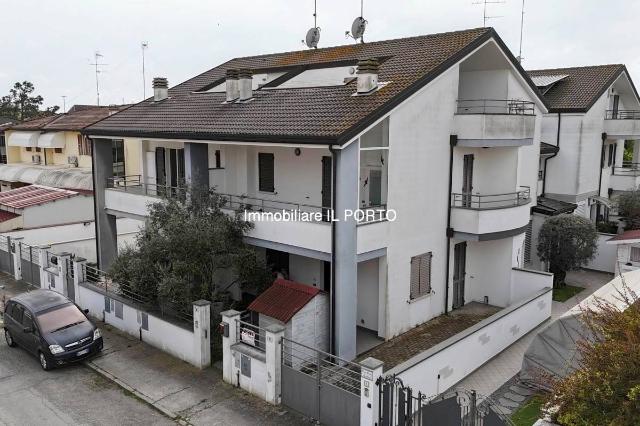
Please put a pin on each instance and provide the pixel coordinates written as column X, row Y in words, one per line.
column 283, row 299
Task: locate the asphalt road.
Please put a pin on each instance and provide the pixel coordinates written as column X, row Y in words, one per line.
column 73, row 395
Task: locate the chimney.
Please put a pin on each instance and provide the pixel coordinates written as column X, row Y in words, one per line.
column 245, row 84
column 367, row 75
column 160, row 89
column 232, row 85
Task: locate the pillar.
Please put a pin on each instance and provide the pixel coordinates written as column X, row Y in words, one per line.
column 345, row 290
column 64, row 284
column 371, row 370
column 15, row 248
column 229, row 322
column 619, row 153
column 79, row 276
column 273, row 357
column 105, row 223
column 42, row 261
column 202, row 332
column 196, row 164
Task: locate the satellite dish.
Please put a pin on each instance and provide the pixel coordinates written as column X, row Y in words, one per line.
column 358, row 27
column 313, row 37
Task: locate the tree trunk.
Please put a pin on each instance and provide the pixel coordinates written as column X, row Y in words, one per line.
column 558, row 277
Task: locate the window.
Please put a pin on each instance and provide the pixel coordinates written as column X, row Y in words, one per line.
column 218, row 162
column 28, row 149
column 8, row 310
column 265, row 172
column 38, row 149
column 16, row 313
column 27, row 321
column 420, row 275
column 84, row 145
column 635, row 254
column 57, row 150
column 611, row 154
column 118, row 158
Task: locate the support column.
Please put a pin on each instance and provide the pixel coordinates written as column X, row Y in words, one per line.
column 202, row 332
column 15, row 248
column 345, row 264
column 229, row 322
column 42, row 261
column 79, row 276
column 371, row 370
column 619, row 153
column 106, row 229
column 64, row 284
column 273, row 357
column 196, row 164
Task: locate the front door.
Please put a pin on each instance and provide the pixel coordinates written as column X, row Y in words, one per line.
column 459, row 272
column 326, row 186
column 467, row 180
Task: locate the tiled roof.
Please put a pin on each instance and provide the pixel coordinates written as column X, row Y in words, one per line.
column 5, row 216
column 283, row 299
column 35, row 123
column 32, row 195
column 627, row 236
column 551, row 207
column 312, row 115
column 581, row 87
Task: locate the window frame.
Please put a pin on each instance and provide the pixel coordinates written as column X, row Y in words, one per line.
column 263, row 181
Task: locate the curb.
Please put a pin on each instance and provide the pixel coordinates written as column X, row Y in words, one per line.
column 173, row 416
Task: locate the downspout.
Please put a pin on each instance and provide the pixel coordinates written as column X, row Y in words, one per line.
column 453, row 141
column 544, row 176
column 602, row 156
column 332, row 310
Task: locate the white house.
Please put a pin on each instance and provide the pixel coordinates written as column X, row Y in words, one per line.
column 627, row 251
column 435, row 139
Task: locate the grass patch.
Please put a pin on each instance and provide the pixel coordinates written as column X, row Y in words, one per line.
column 565, row 293
column 528, row 413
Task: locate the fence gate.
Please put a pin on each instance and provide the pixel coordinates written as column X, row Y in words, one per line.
column 320, row 385
column 400, row 406
column 6, row 261
column 29, row 261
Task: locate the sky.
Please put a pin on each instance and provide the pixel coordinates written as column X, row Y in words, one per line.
column 52, row 43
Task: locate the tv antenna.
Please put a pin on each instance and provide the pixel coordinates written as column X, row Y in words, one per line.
column 486, row 17
column 359, row 26
column 144, row 45
column 313, row 35
column 97, row 64
column 520, row 58
column 64, row 103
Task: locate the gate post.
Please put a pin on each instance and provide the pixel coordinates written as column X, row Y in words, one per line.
column 371, row 370
column 78, row 277
column 15, row 248
column 229, row 335
column 201, row 332
column 63, row 279
column 273, row 355
column 44, row 263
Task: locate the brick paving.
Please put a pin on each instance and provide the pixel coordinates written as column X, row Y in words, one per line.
column 429, row 334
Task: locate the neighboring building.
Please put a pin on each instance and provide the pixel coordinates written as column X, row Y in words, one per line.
column 628, row 251
column 51, row 150
column 5, row 123
column 36, row 206
column 592, row 112
column 439, row 132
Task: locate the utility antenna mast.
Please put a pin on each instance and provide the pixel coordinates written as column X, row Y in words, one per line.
column 520, row 58
column 144, row 47
column 64, row 104
column 97, row 64
column 484, row 4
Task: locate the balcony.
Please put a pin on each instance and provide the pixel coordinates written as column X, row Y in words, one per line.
column 476, row 217
column 626, row 177
column 622, row 124
column 494, row 123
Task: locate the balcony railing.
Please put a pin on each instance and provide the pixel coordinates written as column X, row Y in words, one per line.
column 627, row 169
column 622, row 114
column 495, row 106
column 493, row 201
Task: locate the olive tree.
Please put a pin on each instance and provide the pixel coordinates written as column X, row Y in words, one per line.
column 566, row 242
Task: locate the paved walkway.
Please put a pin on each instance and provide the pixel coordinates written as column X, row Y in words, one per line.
column 495, row 373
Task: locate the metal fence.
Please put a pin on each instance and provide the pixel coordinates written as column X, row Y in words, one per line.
column 6, row 259
column 495, row 106
column 30, row 264
column 491, row 201
column 622, row 114
column 165, row 309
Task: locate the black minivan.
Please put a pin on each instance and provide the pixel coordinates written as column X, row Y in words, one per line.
column 50, row 326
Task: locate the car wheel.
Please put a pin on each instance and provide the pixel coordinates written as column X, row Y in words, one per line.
column 44, row 362
column 9, row 339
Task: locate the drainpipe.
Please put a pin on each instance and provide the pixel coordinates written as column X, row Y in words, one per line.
column 544, row 176
column 602, row 155
column 332, row 310
column 453, row 141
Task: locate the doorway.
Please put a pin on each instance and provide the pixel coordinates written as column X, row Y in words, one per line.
column 467, row 180
column 459, row 273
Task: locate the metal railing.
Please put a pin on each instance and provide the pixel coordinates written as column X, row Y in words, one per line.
column 491, row 201
column 251, row 335
column 321, row 365
column 164, row 309
column 611, row 114
column 628, row 169
column 495, row 106
column 135, row 184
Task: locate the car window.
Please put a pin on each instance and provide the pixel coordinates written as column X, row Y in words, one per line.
column 8, row 309
column 66, row 316
column 16, row 313
column 27, row 320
